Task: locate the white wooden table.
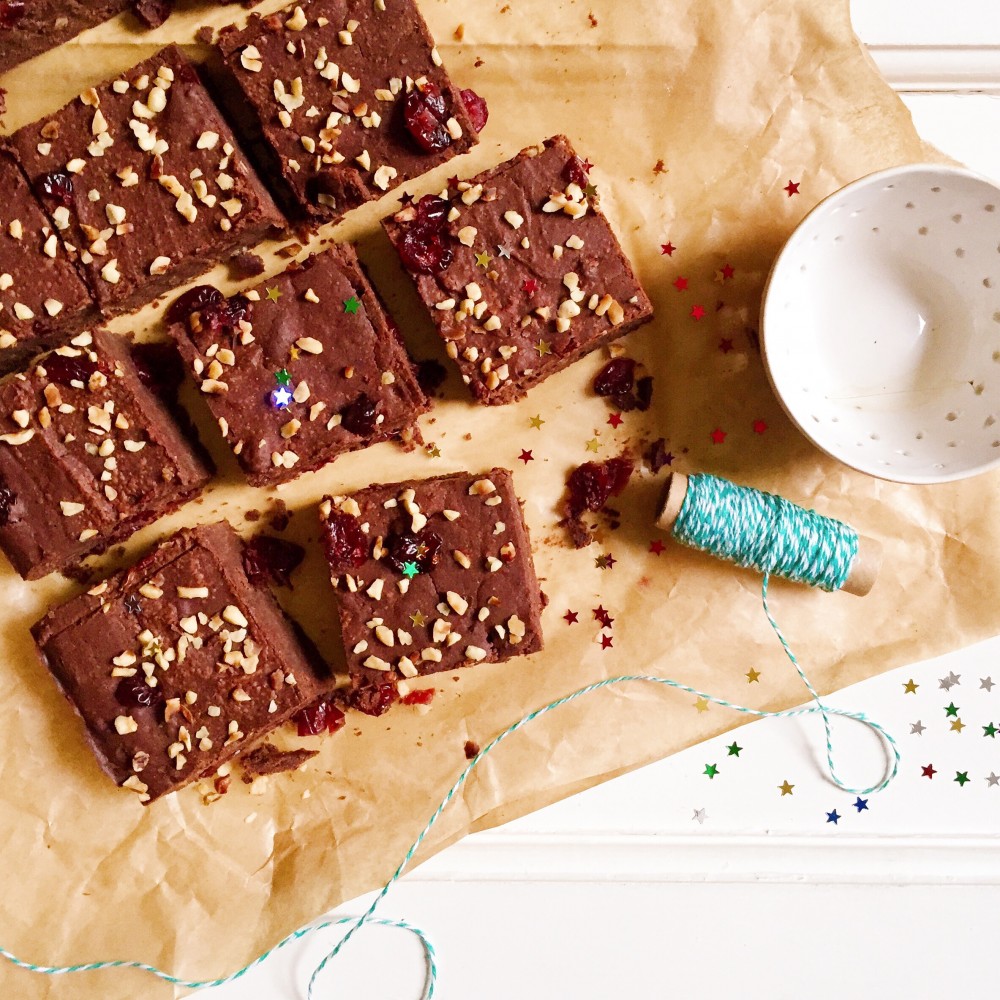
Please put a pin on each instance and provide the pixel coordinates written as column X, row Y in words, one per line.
column 624, row 892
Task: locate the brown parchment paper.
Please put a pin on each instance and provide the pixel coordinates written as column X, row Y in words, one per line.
column 736, row 97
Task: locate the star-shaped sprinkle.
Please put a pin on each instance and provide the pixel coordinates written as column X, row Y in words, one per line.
column 571, row 617
column 993, row 779
column 986, row 683
column 910, row 687
column 433, row 451
column 418, row 618
column 990, row 731
column 592, row 445
column 352, row 305
column 536, row 422
column 928, row 771
column 700, row 815
column 273, row 294
column 615, row 420
column 718, row 435
column 792, row 187
column 483, row 260
column 957, row 725
column 410, row 570
column 759, row 427
column 917, row 728
column 951, row 711
column 606, row 561
column 502, row 252
column 590, row 191
column 950, row 681
column 603, row 616
column 680, row 284
column 701, row 704
column 697, row 312
column 606, row 642
column 961, row 777
column 753, row 676
column 785, row 787
column 667, row 249
column 727, row 271
column 293, row 353
column 833, row 817
column 711, row 770
column 526, row 456
column 734, row 749
column 281, row 397
column 860, row 804
column 726, row 345
column 543, row 347
column 656, row 547
column 282, row 377
column 530, row 286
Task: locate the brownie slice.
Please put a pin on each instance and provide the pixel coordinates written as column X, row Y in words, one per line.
column 143, row 178
column 41, row 293
column 430, row 575
column 88, row 455
column 31, row 27
column 346, row 99
column 177, row 664
column 520, row 270
column 302, row 369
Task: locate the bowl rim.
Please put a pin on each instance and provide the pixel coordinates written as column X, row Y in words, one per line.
column 941, row 169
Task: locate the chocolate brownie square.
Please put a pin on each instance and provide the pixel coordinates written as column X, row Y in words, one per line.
column 177, row 664
column 346, row 99
column 301, row 369
column 144, row 180
column 41, row 293
column 430, row 575
column 88, row 455
column 520, row 270
column 31, row 27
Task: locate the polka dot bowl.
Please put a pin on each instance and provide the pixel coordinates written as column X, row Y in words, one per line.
column 881, row 324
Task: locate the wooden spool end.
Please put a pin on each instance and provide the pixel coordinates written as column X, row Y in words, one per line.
column 864, row 569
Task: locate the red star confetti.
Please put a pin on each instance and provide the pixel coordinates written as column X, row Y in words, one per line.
column 928, row 771
column 602, row 616
column 759, row 426
column 606, row 641
column 530, row 286
column 571, row 617
column 725, row 345
column 667, row 249
column 718, row 435
column 697, row 312
column 656, row 547
column 587, row 166
column 681, row 284
column 792, row 187
column 526, row 456
column 727, row 272
column 615, row 420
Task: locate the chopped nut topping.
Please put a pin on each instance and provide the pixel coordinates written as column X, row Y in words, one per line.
column 474, row 653
column 192, row 593
column 125, row 724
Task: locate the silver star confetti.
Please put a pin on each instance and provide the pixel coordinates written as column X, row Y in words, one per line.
column 503, row 252
column 950, row 681
column 699, row 815
column 993, row 779
column 917, row 728
column 986, row 683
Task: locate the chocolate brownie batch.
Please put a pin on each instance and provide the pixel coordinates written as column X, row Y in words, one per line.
column 185, row 660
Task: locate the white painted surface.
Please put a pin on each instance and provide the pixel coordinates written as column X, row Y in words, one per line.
column 620, row 892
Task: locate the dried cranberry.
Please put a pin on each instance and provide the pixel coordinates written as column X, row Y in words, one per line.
column 65, row 370
column 273, row 560
column 134, row 692
column 423, row 250
column 361, row 416
column 56, row 186
column 424, row 697
column 7, row 498
column 430, row 375
column 11, row 11
column 422, row 549
column 345, row 543
column 376, row 699
column 321, row 717
column 152, row 13
column 425, row 114
column 471, row 749
column 433, row 211
column 594, row 483
column 576, row 172
column 194, row 300
column 160, row 368
column 477, row 109
column 616, row 378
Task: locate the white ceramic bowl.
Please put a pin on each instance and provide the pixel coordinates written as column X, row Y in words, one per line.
column 881, row 324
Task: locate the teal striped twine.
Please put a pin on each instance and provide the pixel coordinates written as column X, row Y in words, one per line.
column 716, row 517
column 766, row 532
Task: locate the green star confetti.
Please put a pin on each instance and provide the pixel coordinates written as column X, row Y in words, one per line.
column 410, row 570
column 734, row 749
column 961, row 777
column 352, row 305
column 282, row 377
column 711, row 770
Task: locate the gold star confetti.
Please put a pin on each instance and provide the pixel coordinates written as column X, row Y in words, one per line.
column 483, row 260
column 910, row 687
column 293, row 353
column 753, row 676
column 543, row 348
column 536, row 421
column 957, row 725
column 786, row 789
column 419, row 619
column 592, row 445
column 274, row 293
column 701, row 704
column 433, row 451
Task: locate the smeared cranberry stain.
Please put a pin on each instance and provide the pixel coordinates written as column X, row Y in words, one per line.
column 425, row 114
column 422, row 549
column 361, row 416
column 134, row 692
column 65, row 369
column 322, row 717
column 56, row 187
column 424, row 697
column 477, row 108
column 589, row 488
column 431, row 375
column 272, row 560
column 344, row 541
